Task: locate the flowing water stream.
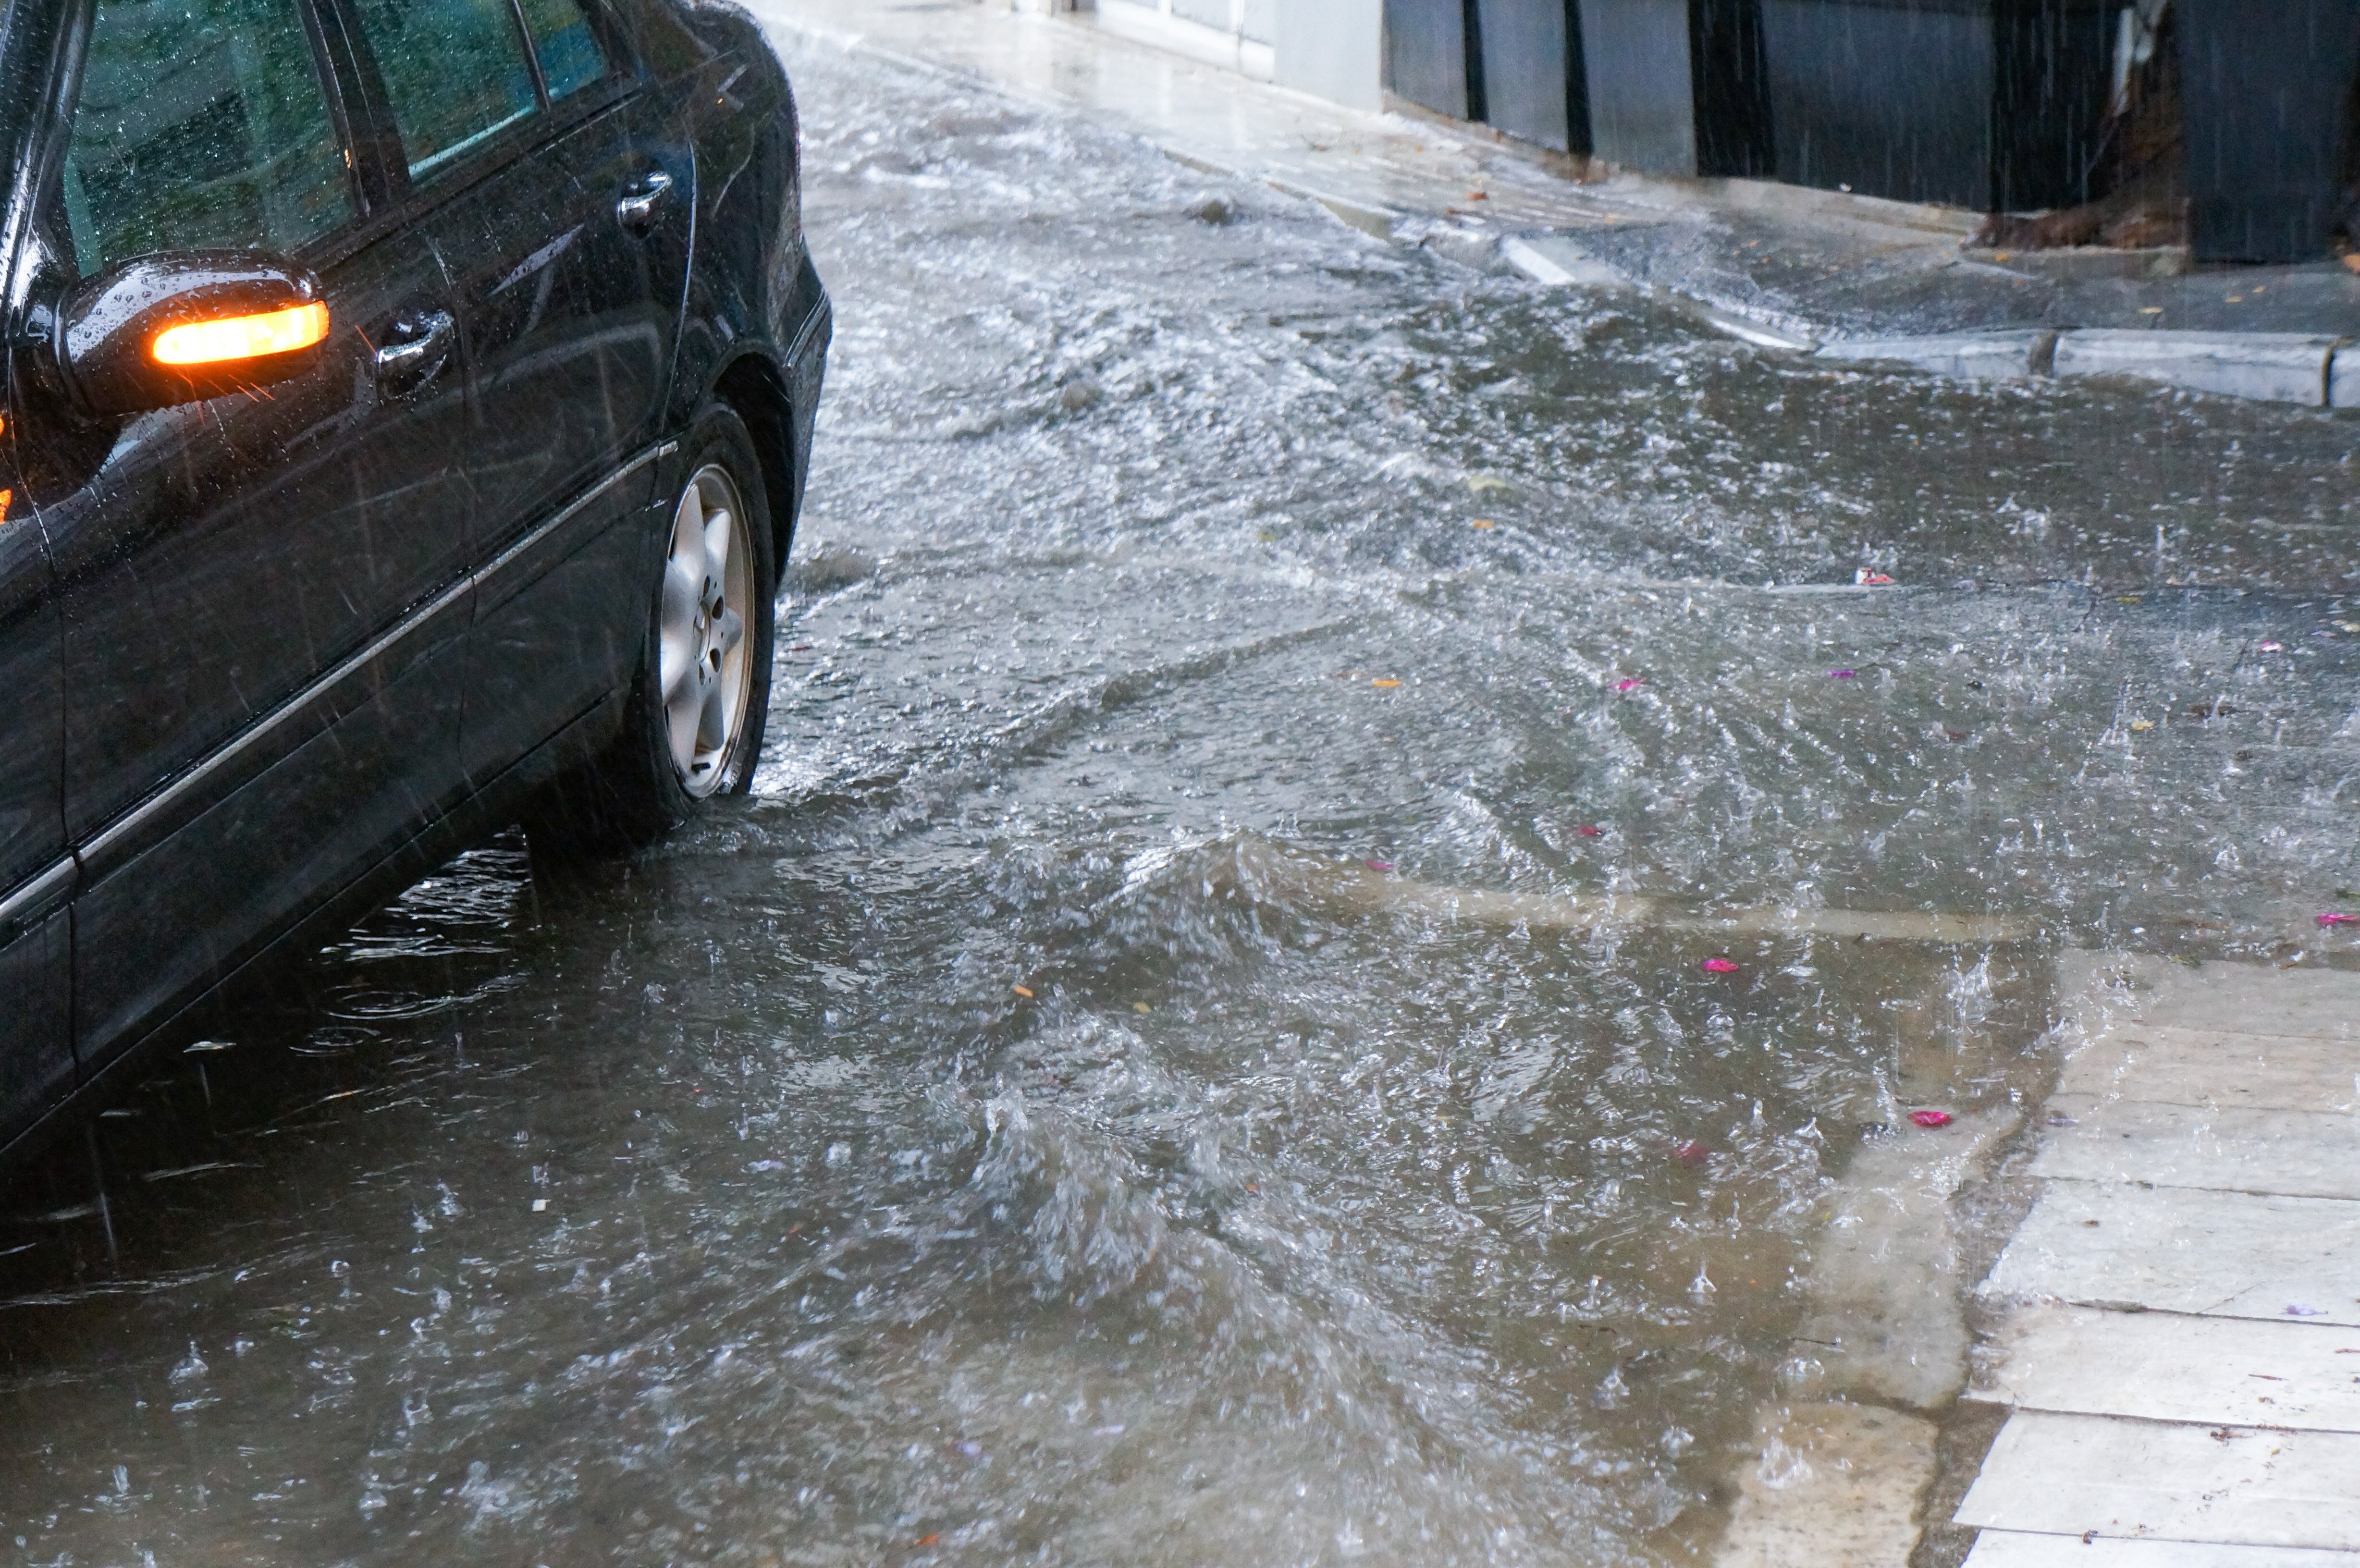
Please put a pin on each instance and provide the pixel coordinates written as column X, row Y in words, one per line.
column 1069, row 1114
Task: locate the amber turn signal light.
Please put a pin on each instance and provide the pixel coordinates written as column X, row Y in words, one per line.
column 235, row 338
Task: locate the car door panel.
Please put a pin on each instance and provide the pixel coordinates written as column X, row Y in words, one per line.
column 32, row 829
column 249, row 580
column 561, row 618
column 569, row 305
column 262, row 598
column 328, row 791
column 38, row 1068
column 37, row 1064
column 570, row 340
column 567, row 354
column 217, row 557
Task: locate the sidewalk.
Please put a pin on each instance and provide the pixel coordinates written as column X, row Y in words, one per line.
column 1850, row 277
column 2163, row 1368
column 2177, row 1318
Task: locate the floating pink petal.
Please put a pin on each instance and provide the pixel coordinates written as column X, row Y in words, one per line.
column 1842, row 674
column 1378, row 865
column 2331, row 918
column 2273, row 648
column 1864, row 578
column 1689, row 1153
column 1930, row 1119
column 1629, row 683
column 1718, row 966
column 1593, row 833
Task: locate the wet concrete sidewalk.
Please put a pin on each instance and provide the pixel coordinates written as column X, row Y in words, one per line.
column 2165, row 1355
column 2176, row 1322
column 1783, row 265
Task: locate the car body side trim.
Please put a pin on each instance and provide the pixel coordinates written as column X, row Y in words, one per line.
column 131, row 821
column 37, row 895
column 484, row 575
column 818, row 321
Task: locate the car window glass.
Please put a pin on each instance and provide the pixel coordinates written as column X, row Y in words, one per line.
column 570, row 54
column 200, row 124
column 455, row 70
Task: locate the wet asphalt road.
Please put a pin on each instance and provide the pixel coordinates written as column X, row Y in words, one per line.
column 1027, row 1130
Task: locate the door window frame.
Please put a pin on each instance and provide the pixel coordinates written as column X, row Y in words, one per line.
column 408, row 196
column 41, row 224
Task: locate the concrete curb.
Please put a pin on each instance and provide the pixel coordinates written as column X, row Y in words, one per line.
column 2344, row 379
column 1968, row 356
column 2314, row 371
column 2310, row 370
column 1563, row 269
column 2275, row 367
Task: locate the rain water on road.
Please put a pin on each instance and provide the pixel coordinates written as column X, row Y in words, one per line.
column 1201, row 1047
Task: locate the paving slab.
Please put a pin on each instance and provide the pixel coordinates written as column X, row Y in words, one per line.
column 2097, row 989
column 2185, row 1251
column 2065, row 1475
column 2238, row 1148
column 2168, row 1366
column 1832, row 1486
column 2020, row 1549
column 2180, row 1333
column 2215, row 1067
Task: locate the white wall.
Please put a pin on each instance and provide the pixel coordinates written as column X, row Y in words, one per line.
column 1331, row 49
column 1214, row 31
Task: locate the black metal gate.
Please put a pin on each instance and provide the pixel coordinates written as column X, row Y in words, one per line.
column 1534, row 87
column 2266, row 89
column 1428, row 60
column 1676, row 86
column 1992, row 104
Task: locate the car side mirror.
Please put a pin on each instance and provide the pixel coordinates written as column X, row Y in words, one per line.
column 161, row 329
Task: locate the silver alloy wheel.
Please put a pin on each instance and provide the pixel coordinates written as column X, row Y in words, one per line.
column 704, row 659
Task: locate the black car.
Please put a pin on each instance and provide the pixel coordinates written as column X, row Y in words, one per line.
column 408, row 408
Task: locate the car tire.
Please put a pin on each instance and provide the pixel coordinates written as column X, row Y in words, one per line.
column 693, row 717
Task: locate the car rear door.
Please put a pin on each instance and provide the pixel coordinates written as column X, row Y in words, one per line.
column 263, row 597
column 563, row 217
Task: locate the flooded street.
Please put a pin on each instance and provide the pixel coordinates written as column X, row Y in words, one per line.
column 1201, row 1047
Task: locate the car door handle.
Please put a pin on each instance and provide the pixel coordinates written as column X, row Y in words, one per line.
column 637, row 211
column 425, row 342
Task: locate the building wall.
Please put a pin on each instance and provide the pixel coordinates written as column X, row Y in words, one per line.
column 1234, row 34
column 1328, row 49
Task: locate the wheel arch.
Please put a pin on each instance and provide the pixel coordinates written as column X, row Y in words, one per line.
column 752, row 388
